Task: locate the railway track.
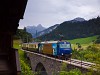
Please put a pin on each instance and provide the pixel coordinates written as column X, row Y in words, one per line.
column 74, row 62
column 79, row 63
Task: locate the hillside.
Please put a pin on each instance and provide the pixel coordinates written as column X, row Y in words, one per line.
column 22, row 35
column 48, row 30
column 87, row 40
column 73, row 30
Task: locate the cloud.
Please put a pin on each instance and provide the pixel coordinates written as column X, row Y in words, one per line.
column 50, row 12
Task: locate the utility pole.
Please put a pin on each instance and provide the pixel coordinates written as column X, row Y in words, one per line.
column 36, row 36
column 27, row 38
column 61, row 37
column 36, row 33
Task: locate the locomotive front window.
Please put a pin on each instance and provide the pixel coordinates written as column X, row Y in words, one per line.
column 64, row 45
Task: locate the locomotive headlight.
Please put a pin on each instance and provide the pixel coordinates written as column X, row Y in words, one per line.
column 62, row 53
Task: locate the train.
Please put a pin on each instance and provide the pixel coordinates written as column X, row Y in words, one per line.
column 52, row 48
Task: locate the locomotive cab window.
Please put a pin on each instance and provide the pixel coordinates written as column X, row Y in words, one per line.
column 64, row 46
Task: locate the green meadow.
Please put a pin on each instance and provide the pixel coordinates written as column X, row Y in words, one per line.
column 87, row 40
column 84, row 42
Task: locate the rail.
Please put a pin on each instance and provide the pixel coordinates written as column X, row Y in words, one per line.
column 79, row 63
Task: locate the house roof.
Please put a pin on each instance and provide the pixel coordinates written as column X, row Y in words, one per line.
column 11, row 11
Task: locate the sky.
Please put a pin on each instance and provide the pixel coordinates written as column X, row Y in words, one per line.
column 51, row 12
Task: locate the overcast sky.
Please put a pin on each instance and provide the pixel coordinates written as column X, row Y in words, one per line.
column 51, row 12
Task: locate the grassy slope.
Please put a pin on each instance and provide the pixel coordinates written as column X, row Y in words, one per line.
column 83, row 40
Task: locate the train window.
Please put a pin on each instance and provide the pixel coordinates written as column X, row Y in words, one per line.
column 64, row 45
column 30, row 45
column 54, row 45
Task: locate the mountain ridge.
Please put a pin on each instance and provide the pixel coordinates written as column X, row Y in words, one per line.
column 48, row 30
column 72, row 30
column 34, row 29
column 78, row 19
column 51, row 28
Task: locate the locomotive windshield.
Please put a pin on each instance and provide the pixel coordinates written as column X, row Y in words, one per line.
column 65, row 46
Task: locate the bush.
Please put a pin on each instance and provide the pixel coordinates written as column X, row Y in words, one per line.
column 72, row 72
column 25, row 66
column 25, row 69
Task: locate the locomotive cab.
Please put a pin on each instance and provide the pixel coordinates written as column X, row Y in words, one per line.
column 64, row 49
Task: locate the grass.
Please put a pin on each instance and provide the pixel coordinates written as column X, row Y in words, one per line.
column 25, row 67
column 87, row 40
column 17, row 44
column 84, row 42
column 89, row 49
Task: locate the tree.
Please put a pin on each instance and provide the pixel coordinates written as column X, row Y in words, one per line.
column 25, row 29
column 23, row 35
column 98, row 40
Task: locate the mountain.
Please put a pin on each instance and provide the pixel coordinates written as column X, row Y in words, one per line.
column 48, row 30
column 78, row 19
column 34, row 29
column 70, row 30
